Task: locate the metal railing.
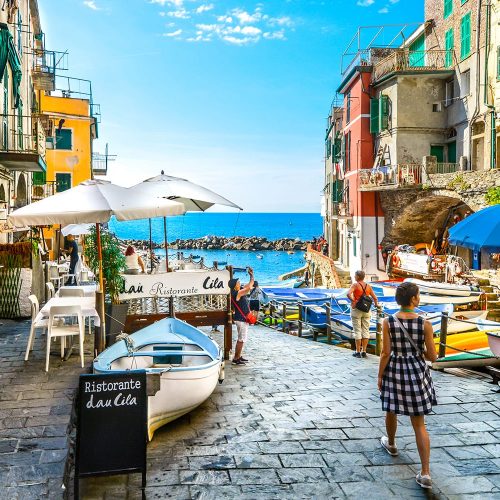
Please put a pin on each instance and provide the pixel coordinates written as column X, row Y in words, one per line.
column 443, row 168
column 390, row 176
column 40, row 191
column 45, row 65
column 22, row 134
column 410, row 60
column 342, row 209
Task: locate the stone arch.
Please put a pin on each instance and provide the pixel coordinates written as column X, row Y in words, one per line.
column 3, row 196
column 426, row 218
column 21, row 192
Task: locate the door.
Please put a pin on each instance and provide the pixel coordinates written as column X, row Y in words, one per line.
column 417, row 53
column 452, row 152
column 438, row 152
column 63, row 182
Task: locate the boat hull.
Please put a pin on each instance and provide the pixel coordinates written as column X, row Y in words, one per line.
column 494, row 342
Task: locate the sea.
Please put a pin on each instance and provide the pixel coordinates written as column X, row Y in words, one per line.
column 267, row 264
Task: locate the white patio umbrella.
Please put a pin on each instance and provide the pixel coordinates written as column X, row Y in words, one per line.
column 94, row 201
column 76, row 229
column 193, row 196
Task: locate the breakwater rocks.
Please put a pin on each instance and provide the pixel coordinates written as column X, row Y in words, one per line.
column 222, row 243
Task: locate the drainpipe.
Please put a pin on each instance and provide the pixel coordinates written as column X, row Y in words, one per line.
column 485, row 96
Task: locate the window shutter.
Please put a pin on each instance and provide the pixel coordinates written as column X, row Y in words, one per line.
column 448, row 58
column 498, row 62
column 448, row 8
column 337, row 147
column 465, row 36
column 383, row 112
column 374, row 116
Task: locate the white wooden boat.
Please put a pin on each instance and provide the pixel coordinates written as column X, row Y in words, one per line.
column 447, row 289
column 188, row 362
column 473, row 317
column 492, row 330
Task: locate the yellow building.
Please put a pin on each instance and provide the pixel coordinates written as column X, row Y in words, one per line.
column 71, row 130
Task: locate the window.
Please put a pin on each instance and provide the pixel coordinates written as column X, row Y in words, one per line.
column 379, row 114
column 19, row 33
column 337, row 148
column 449, row 92
column 452, row 152
column 63, row 182
column 448, row 46
column 5, row 118
column 328, row 147
column 39, row 178
column 436, row 107
column 374, row 113
column 465, row 84
column 448, row 8
column 64, row 138
column 465, row 36
column 20, row 132
column 348, row 108
column 416, row 56
column 498, row 62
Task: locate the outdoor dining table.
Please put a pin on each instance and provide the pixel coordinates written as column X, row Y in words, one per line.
column 88, row 290
column 87, row 304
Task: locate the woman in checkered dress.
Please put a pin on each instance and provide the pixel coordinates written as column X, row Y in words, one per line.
column 404, row 380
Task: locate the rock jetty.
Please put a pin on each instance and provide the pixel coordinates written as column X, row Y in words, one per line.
column 253, row 243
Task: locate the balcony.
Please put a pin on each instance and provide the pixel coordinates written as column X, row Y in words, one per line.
column 22, row 143
column 342, row 210
column 408, row 175
column 401, row 60
column 442, row 168
column 41, row 191
column 45, row 65
column 100, row 162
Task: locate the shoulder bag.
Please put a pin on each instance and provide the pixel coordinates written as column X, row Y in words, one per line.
column 250, row 318
column 365, row 302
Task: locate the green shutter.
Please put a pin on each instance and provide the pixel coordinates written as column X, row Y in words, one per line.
column 448, row 41
column 63, row 182
column 20, row 132
column 383, row 112
column 337, row 148
column 38, row 178
column 374, row 116
column 452, row 152
column 328, row 147
column 64, row 138
column 448, row 8
column 498, row 62
column 465, row 36
column 416, row 55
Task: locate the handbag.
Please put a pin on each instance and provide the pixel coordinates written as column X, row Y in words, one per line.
column 408, row 337
column 365, row 302
column 250, row 317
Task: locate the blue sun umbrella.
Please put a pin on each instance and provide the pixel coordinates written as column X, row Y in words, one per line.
column 479, row 231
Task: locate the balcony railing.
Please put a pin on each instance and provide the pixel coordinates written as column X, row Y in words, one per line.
column 341, row 210
column 443, row 168
column 390, row 176
column 40, row 191
column 410, row 60
column 22, row 134
column 45, row 65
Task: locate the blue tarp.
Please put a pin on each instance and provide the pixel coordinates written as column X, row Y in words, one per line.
column 479, row 231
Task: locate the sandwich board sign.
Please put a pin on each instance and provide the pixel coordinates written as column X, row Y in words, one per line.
column 111, row 435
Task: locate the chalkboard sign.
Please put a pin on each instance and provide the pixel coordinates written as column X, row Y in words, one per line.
column 112, row 425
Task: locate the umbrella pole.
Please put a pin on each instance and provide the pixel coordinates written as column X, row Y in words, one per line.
column 150, row 248
column 166, row 242
column 100, row 332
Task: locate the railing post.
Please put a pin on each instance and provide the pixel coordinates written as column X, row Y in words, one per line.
column 300, row 319
column 271, row 313
column 378, row 347
column 283, row 324
column 328, row 308
column 443, row 334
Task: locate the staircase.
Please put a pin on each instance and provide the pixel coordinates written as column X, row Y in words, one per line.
column 322, row 269
column 490, row 284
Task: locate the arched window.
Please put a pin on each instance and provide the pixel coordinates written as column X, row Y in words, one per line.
column 21, row 194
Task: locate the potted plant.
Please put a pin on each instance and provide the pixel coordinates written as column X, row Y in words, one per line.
column 113, row 264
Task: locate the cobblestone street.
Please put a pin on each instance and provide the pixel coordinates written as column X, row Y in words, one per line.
column 301, row 420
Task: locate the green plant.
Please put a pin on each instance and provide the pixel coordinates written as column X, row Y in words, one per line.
column 458, row 183
column 113, row 261
column 426, row 187
column 493, row 196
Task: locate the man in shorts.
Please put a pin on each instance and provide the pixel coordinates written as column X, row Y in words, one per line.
column 241, row 307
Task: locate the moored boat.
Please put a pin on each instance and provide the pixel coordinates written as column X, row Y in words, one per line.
column 447, row 289
column 188, row 362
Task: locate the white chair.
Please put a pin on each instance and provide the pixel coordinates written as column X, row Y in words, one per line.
column 66, row 329
column 41, row 323
column 71, row 292
column 54, row 276
column 50, row 290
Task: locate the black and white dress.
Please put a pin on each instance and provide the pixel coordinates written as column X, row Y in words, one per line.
column 407, row 387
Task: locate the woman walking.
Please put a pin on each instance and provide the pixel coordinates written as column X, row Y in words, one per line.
column 404, row 379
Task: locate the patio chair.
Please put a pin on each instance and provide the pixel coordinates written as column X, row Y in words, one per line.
column 71, row 292
column 66, row 329
column 50, row 291
column 54, row 277
column 40, row 323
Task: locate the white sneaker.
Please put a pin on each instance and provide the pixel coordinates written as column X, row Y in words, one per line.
column 424, row 481
column 392, row 450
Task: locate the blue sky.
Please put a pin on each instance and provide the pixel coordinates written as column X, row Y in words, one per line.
column 229, row 94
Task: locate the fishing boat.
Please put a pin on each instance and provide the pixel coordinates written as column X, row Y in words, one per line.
column 492, row 330
column 467, row 321
column 188, row 362
column 466, row 341
column 259, row 256
column 471, row 359
column 447, row 289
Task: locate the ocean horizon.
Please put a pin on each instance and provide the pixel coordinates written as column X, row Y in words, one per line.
column 272, row 226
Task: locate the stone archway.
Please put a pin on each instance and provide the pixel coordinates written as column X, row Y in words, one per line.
column 3, row 196
column 21, row 192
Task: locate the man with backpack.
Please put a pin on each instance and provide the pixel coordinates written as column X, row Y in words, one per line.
column 362, row 297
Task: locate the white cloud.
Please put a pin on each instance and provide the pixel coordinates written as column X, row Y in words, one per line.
column 250, row 30
column 275, row 35
column 179, row 14
column 175, row 3
column 393, row 1
column 91, row 5
column 365, row 3
column 281, row 21
column 225, row 19
column 173, row 34
column 238, row 41
column 383, row 10
column 204, row 8
column 246, row 18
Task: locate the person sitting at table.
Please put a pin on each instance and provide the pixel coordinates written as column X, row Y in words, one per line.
column 71, row 250
column 133, row 261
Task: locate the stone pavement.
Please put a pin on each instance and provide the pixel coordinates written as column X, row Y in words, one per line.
column 35, row 411
column 303, row 420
